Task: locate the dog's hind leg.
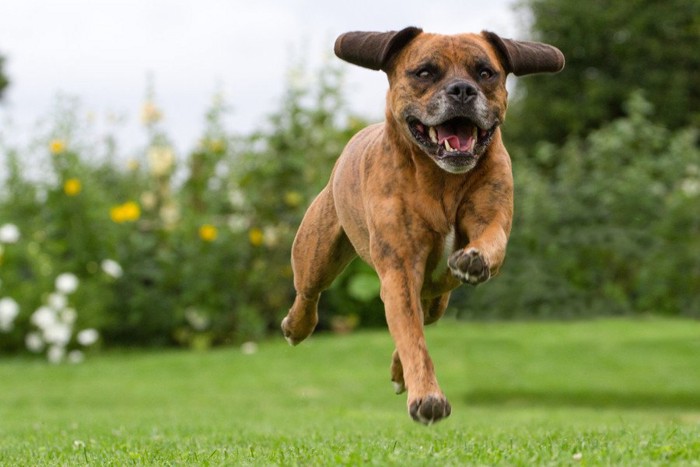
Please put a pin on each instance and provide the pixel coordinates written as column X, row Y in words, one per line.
column 397, row 373
column 320, row 252
column 434, row 308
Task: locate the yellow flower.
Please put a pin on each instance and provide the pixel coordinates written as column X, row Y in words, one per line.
column 255, row 236
column 132, row 165
column 72, row 187
column 208, row 232
column 216, row 146
column 127, row 212
column 57, row 146
column 293, row 199
column 150, row 114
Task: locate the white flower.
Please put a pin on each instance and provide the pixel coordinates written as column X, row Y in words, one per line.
column 170, row 214
column 161, row 159
column 9, row 309
column 34, row 342
column 56, row 353
column 87, row 337
column 199, row 321
column 58, row 334
column 67, row 283
column 691, row 187
column 150, row 113
column 237, row 223
column 68, row 315
column 57, row 301
column 237, row 199
column 149, row 200
column 112, row 268
column 271, row 236
column 76, row 356
column 249, row 348
column 44, row 317
column 9, row 233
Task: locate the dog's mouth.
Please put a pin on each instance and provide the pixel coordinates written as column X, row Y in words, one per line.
column 455, row 142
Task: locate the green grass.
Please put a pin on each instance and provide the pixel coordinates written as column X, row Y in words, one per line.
column 615, row 392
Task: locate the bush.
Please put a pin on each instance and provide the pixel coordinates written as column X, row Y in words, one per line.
column 612, row 230
column 194, row 251
column 166, row 251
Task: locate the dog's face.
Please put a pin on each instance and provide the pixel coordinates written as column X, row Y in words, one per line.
column 447, row 94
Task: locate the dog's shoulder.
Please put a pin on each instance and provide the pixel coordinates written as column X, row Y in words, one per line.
column 364, row 141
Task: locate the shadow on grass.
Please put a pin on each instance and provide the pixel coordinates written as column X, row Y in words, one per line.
column 633, row 399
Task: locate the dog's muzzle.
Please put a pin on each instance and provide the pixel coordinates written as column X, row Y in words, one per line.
column 454, row 144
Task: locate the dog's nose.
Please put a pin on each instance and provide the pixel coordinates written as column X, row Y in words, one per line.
column 461, row 91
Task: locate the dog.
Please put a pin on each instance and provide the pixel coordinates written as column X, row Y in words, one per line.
column 432, row 182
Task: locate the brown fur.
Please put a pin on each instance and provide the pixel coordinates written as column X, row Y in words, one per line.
column 390, row 203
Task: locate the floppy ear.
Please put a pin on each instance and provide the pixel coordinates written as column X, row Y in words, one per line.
column 524, row 58
column 373, row 50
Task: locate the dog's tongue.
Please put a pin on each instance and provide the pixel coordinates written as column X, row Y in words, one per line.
column 459, row 137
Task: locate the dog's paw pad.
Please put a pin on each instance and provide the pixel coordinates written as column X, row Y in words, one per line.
column 430, row 409
column 469, row 266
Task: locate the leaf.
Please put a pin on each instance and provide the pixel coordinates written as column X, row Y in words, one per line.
column 364, row 287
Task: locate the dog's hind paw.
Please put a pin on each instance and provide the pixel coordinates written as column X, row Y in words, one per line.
column 289, row 335
column 430, row 409
column 469, row 266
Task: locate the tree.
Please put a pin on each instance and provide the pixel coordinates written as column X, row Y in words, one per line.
column 3, row 80
column 611, row 49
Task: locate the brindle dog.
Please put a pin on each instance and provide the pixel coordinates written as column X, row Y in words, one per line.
column 434, row 180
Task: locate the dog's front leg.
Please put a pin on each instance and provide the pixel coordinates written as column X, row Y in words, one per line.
column 484, row 223
column 401, row 277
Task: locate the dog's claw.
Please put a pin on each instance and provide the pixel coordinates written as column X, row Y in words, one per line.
column 430, row 410
column 469, row 266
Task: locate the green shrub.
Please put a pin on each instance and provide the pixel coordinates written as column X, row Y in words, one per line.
column 195, row 251
column 612, row 230
column 187, row 251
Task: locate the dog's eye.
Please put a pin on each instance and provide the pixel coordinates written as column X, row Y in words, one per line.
column 424, row 73
column 486, row 73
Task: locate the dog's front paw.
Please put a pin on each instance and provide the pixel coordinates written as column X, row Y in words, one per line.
column 430, row 409
column 469, row 266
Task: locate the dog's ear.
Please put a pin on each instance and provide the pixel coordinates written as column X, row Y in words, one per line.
column 524, row 58
column 373, row 50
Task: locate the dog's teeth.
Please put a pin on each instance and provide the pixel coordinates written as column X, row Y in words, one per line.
column 433, row 134
column 447, row 146
column 475, row 133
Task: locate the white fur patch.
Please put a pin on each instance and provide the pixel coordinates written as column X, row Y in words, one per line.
column 447, row 249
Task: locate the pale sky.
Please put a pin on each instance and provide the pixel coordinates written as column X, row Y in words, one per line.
column 103, row 51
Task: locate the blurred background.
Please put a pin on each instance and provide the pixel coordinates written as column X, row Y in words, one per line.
column 156, row 159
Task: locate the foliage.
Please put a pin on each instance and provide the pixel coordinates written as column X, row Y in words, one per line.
column 194, row 251
column 279, row 171
column 607, row 392
column 613, row 230
column 190, row 252
column 3, row 79
column 611, row 49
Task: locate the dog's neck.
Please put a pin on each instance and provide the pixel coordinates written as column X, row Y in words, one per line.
column 417, row 171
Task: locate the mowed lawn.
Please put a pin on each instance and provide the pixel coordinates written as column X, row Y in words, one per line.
column 600, row 392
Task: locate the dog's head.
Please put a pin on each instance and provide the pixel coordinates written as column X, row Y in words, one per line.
column 447, row 93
